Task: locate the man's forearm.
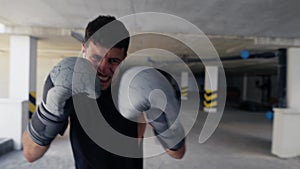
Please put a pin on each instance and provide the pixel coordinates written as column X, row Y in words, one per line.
column 177, row 154
column 178, row 150
column 31, row 150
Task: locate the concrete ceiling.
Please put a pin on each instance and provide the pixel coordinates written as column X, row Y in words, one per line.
column 231, row 25
column 266, row 18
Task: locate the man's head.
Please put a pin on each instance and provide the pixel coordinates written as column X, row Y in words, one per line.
column 106, row 44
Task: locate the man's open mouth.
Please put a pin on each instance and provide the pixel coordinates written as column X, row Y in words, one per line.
column 102, row 78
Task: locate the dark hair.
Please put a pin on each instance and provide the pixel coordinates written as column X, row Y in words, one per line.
column 108, row 32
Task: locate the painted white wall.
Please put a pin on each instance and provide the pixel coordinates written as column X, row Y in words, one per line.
column 4, row 76
column 44, row 66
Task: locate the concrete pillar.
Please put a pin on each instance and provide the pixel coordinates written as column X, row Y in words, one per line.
column 184, row 85
column 286, row 125
column 22, row 81
column 211, row 89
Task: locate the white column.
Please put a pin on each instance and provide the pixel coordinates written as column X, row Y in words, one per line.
column 286, row 125
column 22, row 81
column 184, row 85
column 211, row 89
column 293, row 79
column 22, row 78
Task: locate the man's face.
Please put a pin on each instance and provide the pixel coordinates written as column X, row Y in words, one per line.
column 104, row 60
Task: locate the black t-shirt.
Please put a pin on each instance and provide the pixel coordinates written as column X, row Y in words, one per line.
column 88, row 155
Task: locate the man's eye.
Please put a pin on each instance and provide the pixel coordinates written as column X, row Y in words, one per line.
column 113, row 60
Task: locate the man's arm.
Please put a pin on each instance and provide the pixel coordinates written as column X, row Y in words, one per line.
column 177, row 154
column 31, row 150
column 51, row 116
column 154, row 95
column 141, row 130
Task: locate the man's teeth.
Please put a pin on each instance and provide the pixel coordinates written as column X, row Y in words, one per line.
column 103, row 78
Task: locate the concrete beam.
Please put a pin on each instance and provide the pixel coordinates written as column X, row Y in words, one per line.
column 291, row 42
column 38, row 32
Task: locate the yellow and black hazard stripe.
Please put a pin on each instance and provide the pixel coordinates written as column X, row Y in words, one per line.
column 32, row 103
column 184, row 91
column 210, row 99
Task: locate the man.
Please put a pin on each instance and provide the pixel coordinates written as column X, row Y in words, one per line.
column 105, row 50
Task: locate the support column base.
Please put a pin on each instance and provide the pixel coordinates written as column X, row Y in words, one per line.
column 14, row 118
column 286, row 133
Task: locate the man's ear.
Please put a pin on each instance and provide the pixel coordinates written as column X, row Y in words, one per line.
column 83, row 49
column 125, row 53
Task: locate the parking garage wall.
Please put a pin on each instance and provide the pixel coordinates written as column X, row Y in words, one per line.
column 4, row 74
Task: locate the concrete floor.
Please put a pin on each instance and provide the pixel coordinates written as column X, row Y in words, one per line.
column 242, row 141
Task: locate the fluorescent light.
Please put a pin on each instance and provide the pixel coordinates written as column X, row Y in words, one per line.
column 2, row 28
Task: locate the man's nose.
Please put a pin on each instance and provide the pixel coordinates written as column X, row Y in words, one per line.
column 103, row 66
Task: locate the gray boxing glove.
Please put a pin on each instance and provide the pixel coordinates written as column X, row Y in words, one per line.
column 145, row 89
column 69, row 77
